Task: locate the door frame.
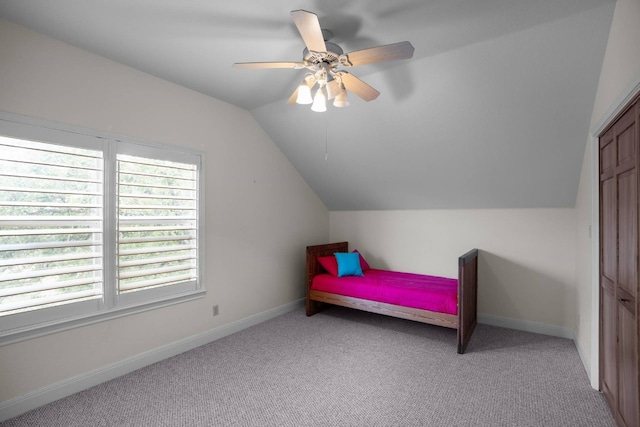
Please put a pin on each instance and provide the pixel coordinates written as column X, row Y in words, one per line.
column 616, row 108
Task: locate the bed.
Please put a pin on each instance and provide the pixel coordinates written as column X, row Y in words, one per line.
column 452, row 303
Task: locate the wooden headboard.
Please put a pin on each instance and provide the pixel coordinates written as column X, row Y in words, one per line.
column 313, row 252
column 313, row 266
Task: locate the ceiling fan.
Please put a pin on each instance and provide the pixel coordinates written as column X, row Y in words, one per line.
column 325, row 61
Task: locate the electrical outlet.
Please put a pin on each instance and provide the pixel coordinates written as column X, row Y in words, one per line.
column 216, row 311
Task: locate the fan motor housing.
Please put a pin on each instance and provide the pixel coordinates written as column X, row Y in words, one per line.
column 332, row 54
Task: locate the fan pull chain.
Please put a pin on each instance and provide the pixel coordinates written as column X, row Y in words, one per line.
column 326, row 137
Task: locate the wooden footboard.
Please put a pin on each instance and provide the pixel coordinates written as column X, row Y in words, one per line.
column 465, row 322
column 467, row 297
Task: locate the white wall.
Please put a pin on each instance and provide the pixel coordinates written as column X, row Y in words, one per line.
column 585, row 234
column 620, row 76
column 260, row 213
column 526, row 263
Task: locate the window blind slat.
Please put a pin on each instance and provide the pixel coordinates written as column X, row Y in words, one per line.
column 48, row 191
column 132, row 286
column 49, row 300
column 49, row 204
column 52, row 259
column 156, row 249
column 60, row 285
column 138, row 196
column 140, row 162
column 158, row 228
column 157, row 220
column 155, row 271
column 54, row 166
column 155, row 260
column 157, row 186
column 129, row 240
column 50, row 178
column 34, row 274
column 49, row 231
column 158, row 207
column 49, row 148
column 30, row 221
column 48, row 245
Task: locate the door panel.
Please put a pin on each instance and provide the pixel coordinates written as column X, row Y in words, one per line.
column 608, row 344
column 609, row 230
column 626, row 138
column 628, row 365
column 607, row 156
column 628, row 235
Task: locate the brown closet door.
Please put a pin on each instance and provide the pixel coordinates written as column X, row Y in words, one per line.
column 619, row 268
column 627, row 285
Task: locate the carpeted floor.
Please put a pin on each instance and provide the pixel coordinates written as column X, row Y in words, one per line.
column 346, row 368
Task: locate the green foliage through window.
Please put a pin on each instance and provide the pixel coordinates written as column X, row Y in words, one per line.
column 157, row 232
column 51, row 208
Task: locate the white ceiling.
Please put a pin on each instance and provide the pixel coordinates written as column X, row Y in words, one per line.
column 492, row 111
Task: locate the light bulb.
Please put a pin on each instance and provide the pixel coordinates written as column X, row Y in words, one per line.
column 319, row 101
column 304, row 94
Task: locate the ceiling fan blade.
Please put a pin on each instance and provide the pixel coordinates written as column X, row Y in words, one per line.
column 254, row 65
column 309, row 28
column 390, row 52
column 358, row 87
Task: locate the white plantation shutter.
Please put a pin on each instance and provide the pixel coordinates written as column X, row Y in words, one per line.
column 51, row 225
column 93, row 226
column 157, row 223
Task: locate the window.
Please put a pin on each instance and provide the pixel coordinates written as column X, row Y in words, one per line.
column 93, row 227
column 51, row 234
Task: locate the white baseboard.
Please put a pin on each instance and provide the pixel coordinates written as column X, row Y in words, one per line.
column 587, row 366
column 19, row 405
column 527, row 326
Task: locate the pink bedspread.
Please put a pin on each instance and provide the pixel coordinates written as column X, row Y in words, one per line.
column 439, row 294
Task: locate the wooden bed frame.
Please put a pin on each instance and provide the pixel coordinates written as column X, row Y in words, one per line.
column 465, row 321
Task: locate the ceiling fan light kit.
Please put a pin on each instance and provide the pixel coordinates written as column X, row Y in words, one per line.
column 325, row 61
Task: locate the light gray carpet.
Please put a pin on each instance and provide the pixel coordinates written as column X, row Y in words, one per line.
column 346, row 368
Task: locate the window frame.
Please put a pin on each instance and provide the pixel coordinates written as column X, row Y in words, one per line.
column 44, row 321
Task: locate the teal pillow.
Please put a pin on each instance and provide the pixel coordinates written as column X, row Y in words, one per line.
column 348, row 264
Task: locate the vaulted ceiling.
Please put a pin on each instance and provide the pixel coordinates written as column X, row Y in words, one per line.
column 492, row 111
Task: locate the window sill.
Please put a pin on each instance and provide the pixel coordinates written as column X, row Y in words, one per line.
column 39, row 330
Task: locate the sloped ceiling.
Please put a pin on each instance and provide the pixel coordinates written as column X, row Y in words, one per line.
column 493, row 110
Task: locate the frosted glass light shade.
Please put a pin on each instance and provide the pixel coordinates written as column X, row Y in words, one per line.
column 319, row 102
column 341, row 99
column 304, row 94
